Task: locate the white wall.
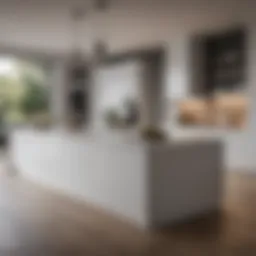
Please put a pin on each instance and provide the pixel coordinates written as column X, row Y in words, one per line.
column 241, row 146
column 114, row 84
column 136, row 23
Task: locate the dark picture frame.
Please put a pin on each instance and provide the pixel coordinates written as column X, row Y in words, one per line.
column 224, row 58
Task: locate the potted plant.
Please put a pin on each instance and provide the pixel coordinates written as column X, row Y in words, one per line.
column 153, row 134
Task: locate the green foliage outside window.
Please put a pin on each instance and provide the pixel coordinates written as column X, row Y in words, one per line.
column 24, row 95
column 35, row 99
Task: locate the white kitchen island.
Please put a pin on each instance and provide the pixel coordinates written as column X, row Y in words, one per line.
column 147, row 184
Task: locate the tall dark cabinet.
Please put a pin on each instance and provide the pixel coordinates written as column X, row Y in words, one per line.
column 78, row 83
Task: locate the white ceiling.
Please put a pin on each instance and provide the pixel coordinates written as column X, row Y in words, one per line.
column 45, row 24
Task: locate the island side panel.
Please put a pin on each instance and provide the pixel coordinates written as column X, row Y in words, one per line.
column 186, row 181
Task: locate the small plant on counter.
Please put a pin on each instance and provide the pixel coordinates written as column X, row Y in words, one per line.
column 112, row 118
column 152, row 134
column 124, row 116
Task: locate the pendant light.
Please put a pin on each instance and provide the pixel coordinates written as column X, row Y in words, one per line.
column 80, row 66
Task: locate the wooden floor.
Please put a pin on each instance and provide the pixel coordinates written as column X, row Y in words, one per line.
column 38, row 223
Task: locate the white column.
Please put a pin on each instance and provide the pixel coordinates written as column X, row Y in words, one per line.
column 152, row 98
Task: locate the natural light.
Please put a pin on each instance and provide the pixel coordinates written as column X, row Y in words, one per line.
column 7, row 67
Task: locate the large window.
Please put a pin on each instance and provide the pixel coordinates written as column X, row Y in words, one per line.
column 24, row 94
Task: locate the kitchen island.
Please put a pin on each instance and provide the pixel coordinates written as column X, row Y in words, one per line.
column 149, row 184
